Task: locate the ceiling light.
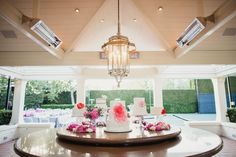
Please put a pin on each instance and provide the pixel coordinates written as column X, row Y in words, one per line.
column 102, row 20
column 118, row 49
column 77, row 10
column 160, row 8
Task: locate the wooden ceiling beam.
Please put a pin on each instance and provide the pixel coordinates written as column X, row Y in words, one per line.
column 92, row 58
column 14, row 17
column 222, row 15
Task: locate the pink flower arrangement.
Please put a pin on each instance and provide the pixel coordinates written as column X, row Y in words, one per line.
column 157, row 127
column 93, row 113
column 85, row 127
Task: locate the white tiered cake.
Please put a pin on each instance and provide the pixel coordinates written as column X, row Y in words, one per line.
column 139, row 108
column 117, row 120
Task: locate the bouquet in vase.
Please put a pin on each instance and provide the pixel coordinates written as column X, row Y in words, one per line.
column 93, row 113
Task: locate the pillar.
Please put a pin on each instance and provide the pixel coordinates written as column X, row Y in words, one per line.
column 220, row 98
column 158, row 97
column 18, row 102
column 80, row 90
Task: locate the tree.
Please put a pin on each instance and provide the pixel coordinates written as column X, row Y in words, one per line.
column 37, row 91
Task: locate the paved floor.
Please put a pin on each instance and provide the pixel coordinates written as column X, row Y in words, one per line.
column 197, row 117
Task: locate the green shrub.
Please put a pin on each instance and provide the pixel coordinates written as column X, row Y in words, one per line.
column 5, row 117
column 231, row 113
column 180, row 101
column 56, row 106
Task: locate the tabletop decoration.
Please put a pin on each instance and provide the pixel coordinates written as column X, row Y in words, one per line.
column 157, row 127
column 85, row 127
column 93, row 113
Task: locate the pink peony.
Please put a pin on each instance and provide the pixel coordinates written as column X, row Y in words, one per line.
column 72, row 126
column 119, row 112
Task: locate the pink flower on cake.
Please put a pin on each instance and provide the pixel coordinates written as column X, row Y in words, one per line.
column 142, row 103
column 119, row 112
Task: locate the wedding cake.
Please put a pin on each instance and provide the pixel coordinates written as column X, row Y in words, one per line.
column 117, row 120
column 139, row 108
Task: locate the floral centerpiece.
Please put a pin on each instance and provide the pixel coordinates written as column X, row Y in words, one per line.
column 93, row 113
column 85, row 127
column 159, row 126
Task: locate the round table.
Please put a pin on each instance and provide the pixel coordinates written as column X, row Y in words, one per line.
column 191, row 142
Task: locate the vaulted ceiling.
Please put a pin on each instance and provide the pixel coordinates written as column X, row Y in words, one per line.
column 154, row 32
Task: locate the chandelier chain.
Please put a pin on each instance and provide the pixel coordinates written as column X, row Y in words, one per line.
column 118, row 32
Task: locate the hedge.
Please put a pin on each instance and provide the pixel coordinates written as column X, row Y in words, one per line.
column 180, row 101
column 231, row 113
column 57, row 106
column 5, row 117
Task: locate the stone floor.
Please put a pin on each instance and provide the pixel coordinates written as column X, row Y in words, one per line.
column 229, row 149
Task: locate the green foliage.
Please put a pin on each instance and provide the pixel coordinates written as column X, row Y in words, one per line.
column 180, row 101
column 231, row 113
column 232, row 81
column 5, row 117
column 39, row 92
column 3, row 91
column 56, row 106
column 205, row 86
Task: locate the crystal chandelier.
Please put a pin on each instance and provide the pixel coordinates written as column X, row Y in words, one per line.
column 117, row 50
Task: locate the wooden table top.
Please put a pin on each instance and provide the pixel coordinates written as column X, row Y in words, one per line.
column 191, row 142
column 137, row 136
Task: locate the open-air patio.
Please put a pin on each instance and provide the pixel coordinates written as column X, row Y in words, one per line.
column 117, row 78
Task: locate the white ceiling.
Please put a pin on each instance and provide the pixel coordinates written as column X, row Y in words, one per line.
column 141, row 32
column 83, row 32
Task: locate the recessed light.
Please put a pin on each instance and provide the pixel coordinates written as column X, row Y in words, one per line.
column 135, row 20
column 160, row 8
column 102, row 20
column 77, row 10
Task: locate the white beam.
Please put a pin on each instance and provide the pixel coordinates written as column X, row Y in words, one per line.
column 14, row 17
column 7, row 72
column 222, row 15
column 229, row 70
column 92, row 58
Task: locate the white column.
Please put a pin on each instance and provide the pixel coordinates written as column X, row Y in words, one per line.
column 158, row 97
column 220, row 98
column 80, row 90
column 18, row 102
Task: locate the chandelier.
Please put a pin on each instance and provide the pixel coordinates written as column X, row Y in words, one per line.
column 117, row 50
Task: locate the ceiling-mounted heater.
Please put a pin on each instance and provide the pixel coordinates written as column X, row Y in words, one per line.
column 42, row 30
column 196, row 26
